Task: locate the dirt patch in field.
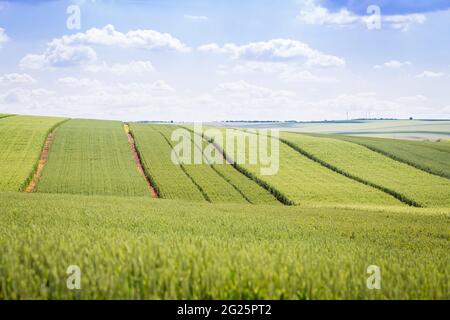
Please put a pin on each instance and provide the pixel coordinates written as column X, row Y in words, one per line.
column 139, row 166
column 42, row 162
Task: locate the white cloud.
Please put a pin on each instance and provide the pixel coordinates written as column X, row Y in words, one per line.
column 133, row 67
column 430, row 74
column 314, row 14
column 72, row 50
column 17, row 78
column 195, row 18
column 140, row 39
column 78, row 82
column 243, row 88
column 416, row 98
column 393, row 64
column 143, row 88
column 403, row 22
column 276, row 49
column 3, row 36
column 59, row 55
column 284, row 71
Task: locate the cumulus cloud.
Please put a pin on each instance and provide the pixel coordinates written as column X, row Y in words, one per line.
column 3, row 37
column 285, row 71
column 430, row 74
column 393, row 64
column 59, row 55
column 313, row 13
column 132, row 67
column 17, row 78
column 75, row 49
column 109, row 36
column 276, row 49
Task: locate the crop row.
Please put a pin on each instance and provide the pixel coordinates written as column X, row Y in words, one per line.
column 21, row 142
column 432, row 157
column 91, row 157
column 304, row 181
column 409, row 184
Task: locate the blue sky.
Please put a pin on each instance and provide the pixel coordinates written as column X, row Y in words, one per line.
column 219, row 60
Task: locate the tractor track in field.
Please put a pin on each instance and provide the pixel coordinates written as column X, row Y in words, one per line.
column 272, row 190
column 139, row 165
column 42, row 161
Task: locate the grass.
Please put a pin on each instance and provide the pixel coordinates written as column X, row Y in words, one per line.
column 432, row 157
column 416, row 185
column 91, row 157
column 21, row 142
column 163, row 249
column 304, row 181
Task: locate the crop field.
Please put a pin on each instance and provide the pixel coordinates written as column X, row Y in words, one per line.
column 336, row 206
column 91, row 157
column 165, row 249
column 416, row 185
column 216, row 183
column 432, row 157
column 170, row 180
column 21, row 142
column 304, row 181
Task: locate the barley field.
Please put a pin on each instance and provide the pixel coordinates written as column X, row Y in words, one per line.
column 91, row 157
column 164, row 249
column 21, row 142
column 416, row 185
column 336, row 206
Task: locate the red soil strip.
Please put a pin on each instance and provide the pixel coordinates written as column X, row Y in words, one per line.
column 139, row 166
column 42, row 161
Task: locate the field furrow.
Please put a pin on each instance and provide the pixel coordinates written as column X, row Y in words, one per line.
column 424, row 188
column 21, row 142
column 432, row 157
column 213, row 185
column 304, row 181
column 170, row 181
column 91, row 157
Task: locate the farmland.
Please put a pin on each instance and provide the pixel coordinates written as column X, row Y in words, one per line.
column 91, row 157
column 425, row 155
column 21, row 142
column 416, row 185
column 216, row 183
column 164, row 249
column 218, row 231
column 304, row 181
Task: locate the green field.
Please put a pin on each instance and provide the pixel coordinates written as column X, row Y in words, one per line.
column 219, row 231
column 170, row 180
column 304, row 181
column 91, row 157
column 21, row 142
column 432, row 157
column 164, row 249
column 216, row 183
column 416, row 185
